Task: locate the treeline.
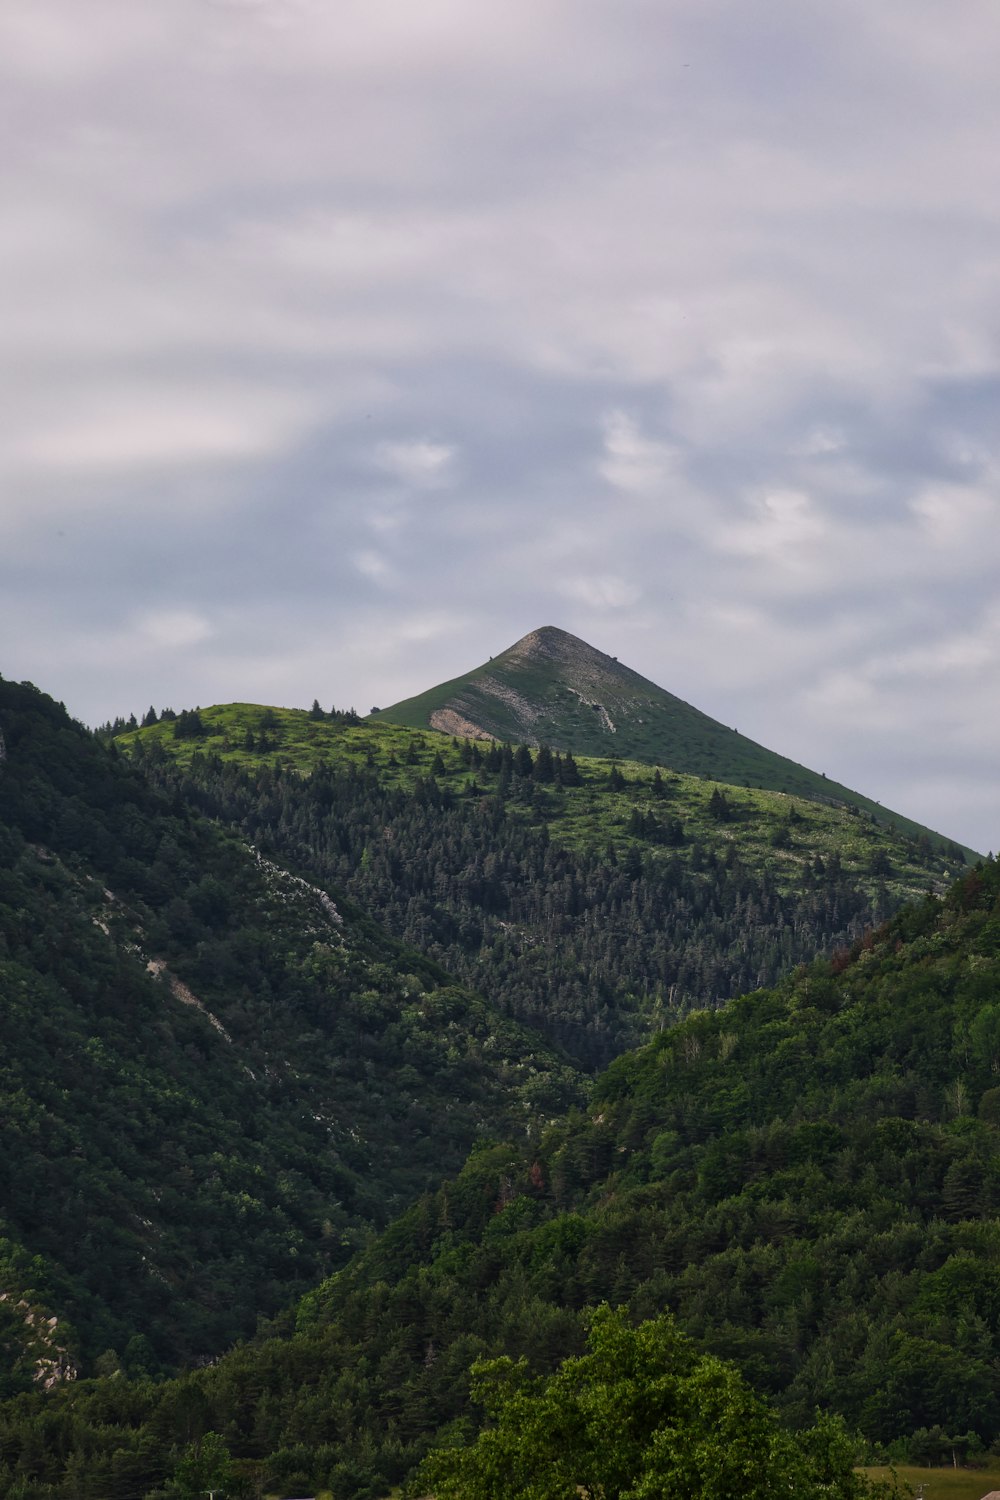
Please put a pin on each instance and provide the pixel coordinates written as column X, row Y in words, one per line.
column 188, row 723
column 807, row 1179
column 596, row 948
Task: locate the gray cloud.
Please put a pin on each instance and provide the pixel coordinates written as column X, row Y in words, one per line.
column 346, row 344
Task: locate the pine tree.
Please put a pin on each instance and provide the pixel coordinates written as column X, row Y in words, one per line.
column 544, row 766
column 719, row 808
column 570, row 771
column 523, row 763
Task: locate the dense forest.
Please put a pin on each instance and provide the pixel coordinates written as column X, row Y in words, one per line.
column 214, row 1081
column 590, row 900
column 806, row 1178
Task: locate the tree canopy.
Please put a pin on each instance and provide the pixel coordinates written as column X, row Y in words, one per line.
column 640, row 1415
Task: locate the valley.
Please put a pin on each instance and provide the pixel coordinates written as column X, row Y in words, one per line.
column 356, row 1051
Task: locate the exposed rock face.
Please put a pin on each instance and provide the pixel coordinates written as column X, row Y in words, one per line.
column 524, row 693
column 50, row 1360
column 158, row 968
column 447, row 721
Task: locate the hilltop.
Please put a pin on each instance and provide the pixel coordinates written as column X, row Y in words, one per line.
column 550, row 688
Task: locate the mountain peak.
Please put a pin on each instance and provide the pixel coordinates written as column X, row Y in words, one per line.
column 548, row 638
column 532, row 693
column 551, row 688
column 550, row 644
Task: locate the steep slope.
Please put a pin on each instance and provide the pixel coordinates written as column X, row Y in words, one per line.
column 550, row 688
column 808, row 1179
column 214, row 1081
column 594, row 900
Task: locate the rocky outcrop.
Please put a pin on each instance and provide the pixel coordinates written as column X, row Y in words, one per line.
column 50, row 1361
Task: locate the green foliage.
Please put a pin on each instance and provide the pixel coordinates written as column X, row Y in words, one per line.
column 188, row 725
column 213, row 1082
column 796, row 1178
column 553, row 689
column 205, row 1466
column 950, row 1483
column 640, row 1415
column 806, row 1179
column 590, row 913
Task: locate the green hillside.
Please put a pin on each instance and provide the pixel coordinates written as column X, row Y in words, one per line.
column 214, row 1081
column 552, row 689
column 594, row 900
column 807, row 1179
column 264, row 981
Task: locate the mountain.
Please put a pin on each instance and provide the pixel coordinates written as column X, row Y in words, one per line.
column 550, row 688
column 215, row 1079
column 807, row 1179
column 221, row 1078
column 594, row 900
column 202, row 1027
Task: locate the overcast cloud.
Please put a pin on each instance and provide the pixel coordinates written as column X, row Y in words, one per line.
column 347, row 343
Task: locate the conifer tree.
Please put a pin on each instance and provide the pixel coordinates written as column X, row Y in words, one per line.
column 544, row 766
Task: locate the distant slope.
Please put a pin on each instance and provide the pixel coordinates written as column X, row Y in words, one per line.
column 550, row 688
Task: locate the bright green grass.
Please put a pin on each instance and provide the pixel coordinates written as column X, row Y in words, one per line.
column 585, row 818
column 652, row 726
column 941, row 1484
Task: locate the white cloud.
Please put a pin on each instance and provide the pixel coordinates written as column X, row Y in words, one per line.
column 952, row 516
column 133, row 430
column 601, row 591
column 634, row 463
column 784, row 526
column 944, row 661
column 174, row 628
column 373, row 565
column 431, row 625
column 820, row 441
column 420, row 465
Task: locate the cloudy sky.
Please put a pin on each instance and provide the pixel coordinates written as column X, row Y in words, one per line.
column 345, row 343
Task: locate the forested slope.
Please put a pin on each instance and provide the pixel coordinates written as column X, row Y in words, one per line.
column 213, row 1079
column 807, row 1178
column 594, row 900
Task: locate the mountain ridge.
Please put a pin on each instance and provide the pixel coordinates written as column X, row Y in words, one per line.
column 552, row 688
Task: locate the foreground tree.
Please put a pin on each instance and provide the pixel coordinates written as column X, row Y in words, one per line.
column 206, row 1468
column 639, row 1417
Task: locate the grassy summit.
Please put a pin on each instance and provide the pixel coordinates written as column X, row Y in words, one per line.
column 552, row 689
